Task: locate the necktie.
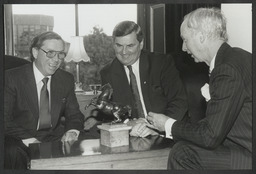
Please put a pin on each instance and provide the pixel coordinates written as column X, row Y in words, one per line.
column 133, row 83
column 44, row 112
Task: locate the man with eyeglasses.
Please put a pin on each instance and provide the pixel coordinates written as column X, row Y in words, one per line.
column 37, row 96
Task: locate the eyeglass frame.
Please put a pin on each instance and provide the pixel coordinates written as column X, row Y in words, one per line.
column 55, row 52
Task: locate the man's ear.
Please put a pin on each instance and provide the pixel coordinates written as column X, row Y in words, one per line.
column 34, row 52
column 202, row 37
column 142, row 44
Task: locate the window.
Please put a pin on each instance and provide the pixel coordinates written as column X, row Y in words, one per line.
column 25, row 28
column 95, row 24
column 32, row 28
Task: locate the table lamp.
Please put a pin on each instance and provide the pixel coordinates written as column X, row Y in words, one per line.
column 77, row 53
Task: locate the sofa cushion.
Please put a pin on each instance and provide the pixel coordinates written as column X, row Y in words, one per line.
column 13, row 62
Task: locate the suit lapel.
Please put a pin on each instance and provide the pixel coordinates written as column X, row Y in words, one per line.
column 220, row 53
column 56, row 97
column 144, row 78
column 31, row 90
column 120, row 84
column 218, row 61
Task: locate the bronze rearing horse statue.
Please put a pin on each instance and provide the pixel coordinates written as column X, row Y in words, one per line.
column 103, row 103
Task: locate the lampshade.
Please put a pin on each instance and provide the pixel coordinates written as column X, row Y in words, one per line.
column 76, row 50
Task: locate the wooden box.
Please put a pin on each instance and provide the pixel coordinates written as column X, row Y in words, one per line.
column 114, row 135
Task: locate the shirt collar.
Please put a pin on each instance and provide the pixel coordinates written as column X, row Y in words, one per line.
column 135, row 65
column 212, row 64
column 38, row 75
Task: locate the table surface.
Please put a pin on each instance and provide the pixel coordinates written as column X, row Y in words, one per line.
column 88, row 154
column 141, row 153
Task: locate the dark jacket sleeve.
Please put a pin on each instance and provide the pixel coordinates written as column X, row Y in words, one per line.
column 174, row 90
column 10, row 99
column 223, row 109
column 73, row 117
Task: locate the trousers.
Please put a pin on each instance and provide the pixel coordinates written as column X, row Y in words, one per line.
column 16, row 154
column 185, row 155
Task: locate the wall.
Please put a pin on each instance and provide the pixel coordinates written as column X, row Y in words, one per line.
column 239, row 24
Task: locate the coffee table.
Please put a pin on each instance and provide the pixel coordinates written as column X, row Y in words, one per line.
column 141, row 154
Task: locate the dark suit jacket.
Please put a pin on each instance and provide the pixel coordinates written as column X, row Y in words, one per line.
column 21, row 110
column 162, row 89
column 229, row 112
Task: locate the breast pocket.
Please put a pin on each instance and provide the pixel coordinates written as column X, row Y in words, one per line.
column 157, row 89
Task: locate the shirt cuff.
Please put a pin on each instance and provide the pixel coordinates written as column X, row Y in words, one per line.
column 29, row 141
column 74, row 130
column 168, row 127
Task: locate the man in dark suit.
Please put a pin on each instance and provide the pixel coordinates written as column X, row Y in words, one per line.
column 158, row 82
column 223, row 139
column 26, row 106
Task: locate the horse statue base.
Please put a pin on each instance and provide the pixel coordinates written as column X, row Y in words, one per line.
column 114, row 135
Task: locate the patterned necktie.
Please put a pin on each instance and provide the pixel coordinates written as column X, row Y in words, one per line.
column 133, row 83
column 44, row 112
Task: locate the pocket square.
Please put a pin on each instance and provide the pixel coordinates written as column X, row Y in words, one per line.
column 205, row 92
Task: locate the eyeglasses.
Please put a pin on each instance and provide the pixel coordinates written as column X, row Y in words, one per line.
column 51, row 54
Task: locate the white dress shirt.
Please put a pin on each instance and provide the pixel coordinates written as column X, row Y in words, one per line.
column 212, row 64
column 39, row 84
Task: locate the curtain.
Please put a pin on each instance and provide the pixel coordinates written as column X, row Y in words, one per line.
column 8, row 29
column 174, row 18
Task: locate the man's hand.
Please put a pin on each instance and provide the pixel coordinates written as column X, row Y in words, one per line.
column 69, row 136
column 140, row 129
column 157, row 121
column 66, row 147
column 140, row 143
column 136, row 121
